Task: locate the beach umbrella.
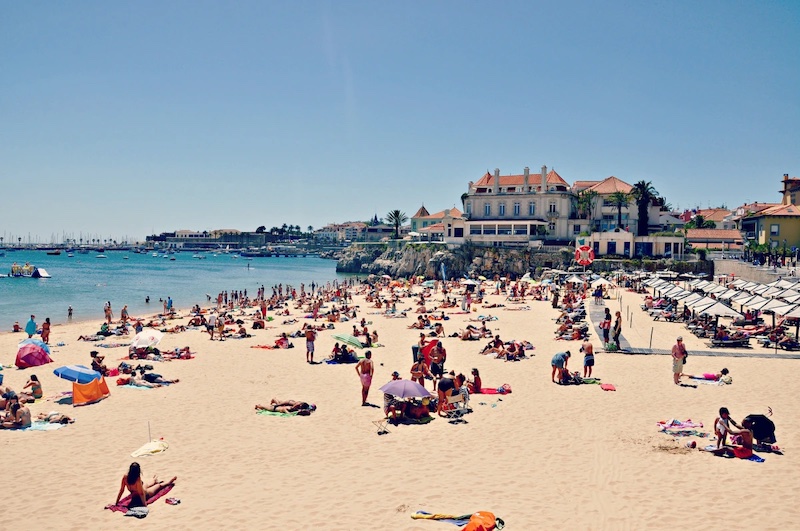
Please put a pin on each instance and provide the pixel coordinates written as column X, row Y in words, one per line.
column 405, row 389
column 720, row 310
column 147, row 338
column 469, row 282
column 348, row 340
column 481, row 277
column 77, row 373
column 429, row 283
column 32, row 353
column 41, row 344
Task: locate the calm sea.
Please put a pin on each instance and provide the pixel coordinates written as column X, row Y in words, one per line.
column 86, row 282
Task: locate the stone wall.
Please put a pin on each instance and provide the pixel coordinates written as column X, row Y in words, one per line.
column 747, row 271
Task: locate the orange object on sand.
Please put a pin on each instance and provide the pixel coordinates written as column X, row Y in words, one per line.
column 94, row 391
column 480, row 521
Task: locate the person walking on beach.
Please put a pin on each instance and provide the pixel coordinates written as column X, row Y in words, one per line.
column 311, row 336
column 46, row 331
column 617, row 328
column 30, row 327
column 365, row 369
column 605, row 326
column 211, row 324
column 678, row 359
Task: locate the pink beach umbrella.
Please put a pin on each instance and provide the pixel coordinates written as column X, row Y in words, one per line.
column 32, row 353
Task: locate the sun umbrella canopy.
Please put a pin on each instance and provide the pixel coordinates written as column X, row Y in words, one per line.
column 469, row 282
column 147, row 338
column 429, row 283
column 405, row 389
column 348, row 340
column 32, row 353
column 721, row 310
column 77, row 373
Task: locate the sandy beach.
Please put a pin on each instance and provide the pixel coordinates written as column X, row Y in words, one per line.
column 543, row 457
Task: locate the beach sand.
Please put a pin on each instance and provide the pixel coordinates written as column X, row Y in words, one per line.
column 543, row 457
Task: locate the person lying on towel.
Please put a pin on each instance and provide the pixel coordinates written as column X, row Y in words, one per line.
column 288, row 406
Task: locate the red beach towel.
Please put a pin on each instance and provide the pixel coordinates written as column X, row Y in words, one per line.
column 608, row 387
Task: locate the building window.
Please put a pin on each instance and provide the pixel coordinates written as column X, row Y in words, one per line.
column 552, row 207
column 474, row 229
column 551, row 226
column 774, row 229
column 521, row 230
column 490, row 229
column 487, row 209
column 469, row 207
column 504, row 230
column 502, row 209
column 576, row 229
column 531, row 208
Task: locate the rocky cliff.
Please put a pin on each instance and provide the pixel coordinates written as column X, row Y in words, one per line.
column 426, row 259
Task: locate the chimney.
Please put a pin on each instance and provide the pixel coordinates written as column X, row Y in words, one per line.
column 497, row 180
column 527, row 173
column 544, row 179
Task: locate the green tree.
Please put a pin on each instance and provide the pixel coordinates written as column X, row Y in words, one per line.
column 644, row 194
column 584, row 203
column 619, row 200
column 262, row 229
column 699, row 222
column 396, row 218
column 310, row 229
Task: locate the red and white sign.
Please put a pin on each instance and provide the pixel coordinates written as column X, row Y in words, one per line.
column 584, row 255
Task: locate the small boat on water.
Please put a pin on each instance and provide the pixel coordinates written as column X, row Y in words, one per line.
column 172, row 258
column 54, row 253
column 125, row 257
column 70, row 255
column 101, row 256
column 199, row 256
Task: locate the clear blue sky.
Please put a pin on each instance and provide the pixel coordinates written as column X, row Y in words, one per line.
column 124, row 118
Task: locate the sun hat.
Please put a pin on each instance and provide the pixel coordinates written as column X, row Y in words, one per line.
column 680, row 338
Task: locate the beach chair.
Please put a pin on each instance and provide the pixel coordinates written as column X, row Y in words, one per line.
column 456, row 409
column 382, row 425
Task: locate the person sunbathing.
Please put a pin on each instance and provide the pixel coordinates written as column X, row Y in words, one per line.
column 19, row 416
column 715, row 377
column 474, row 385
column 35, row 390
column 139, row 491
column 470, row 334
column 288, row 406
column 54, row 417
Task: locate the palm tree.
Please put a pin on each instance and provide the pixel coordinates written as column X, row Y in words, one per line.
column 699, row 222
column 619, row 199
column 396, row 218
column 644, row 193
column 310, row 229
column 584, row 203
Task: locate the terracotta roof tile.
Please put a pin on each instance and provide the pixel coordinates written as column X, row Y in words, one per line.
column 518, row 180
column 781, row 210
column 714, row 234
column 583, row 185
column 454, row 212
column 421, row 213
column 611, row 185
column 714, row 214
column 436, row 227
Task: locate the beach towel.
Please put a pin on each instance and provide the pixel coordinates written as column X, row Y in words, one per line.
column 684, row 433
column 151, row 448
column 714, row 450
column 480, row 520
column 675, row 423
column 408, row 421
column 39, row 425
column 122, row 506
column 275, row 413
column 608, row 387
column 335, row 362
column 502, row 390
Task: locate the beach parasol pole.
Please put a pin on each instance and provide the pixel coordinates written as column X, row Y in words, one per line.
column 149, row 437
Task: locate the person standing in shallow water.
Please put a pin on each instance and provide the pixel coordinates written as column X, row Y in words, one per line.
column 365, row 369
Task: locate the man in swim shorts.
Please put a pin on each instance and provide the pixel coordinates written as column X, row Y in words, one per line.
column 311, row 336
column 365, row 369
column 678, row 359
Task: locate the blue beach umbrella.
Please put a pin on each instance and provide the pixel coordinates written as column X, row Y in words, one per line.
column 77, row 373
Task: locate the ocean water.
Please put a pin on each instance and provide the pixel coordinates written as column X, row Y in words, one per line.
column 86, row 282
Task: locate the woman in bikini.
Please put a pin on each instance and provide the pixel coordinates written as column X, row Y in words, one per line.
column 139, row 491
column 35, row 392
column 419, row 370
